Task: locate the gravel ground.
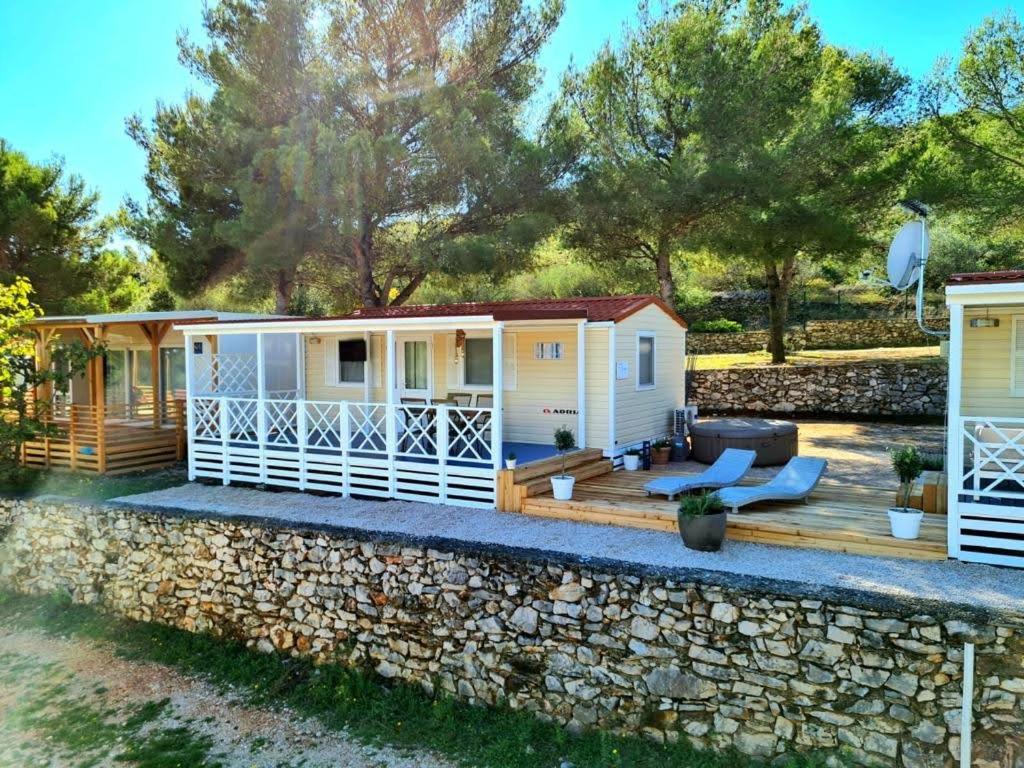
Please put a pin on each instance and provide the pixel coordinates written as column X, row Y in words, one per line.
column 242, row 736
column 950, row 582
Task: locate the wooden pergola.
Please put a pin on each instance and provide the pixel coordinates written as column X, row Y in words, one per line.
column 100, row 436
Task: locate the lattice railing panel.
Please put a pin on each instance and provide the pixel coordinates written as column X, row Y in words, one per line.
column 323, row 425
column 206, row 418
column 242, row 419
column 368, row 427
column 416, row 427
column 281, row 422
column 993, row 457
column 469, row 434
column 226, row 374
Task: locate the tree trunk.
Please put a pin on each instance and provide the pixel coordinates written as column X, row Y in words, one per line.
column 779, row 277
column 666, row 282
column 284, row 287
column 365, row 285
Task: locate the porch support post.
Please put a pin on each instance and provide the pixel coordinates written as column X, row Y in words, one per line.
column 391, row 428
column 498, row 392
column 190, row 387
column 954, row 434
column 101, row 405
column 612, row 378
column 581, row 383
column 261, row 406
column 367, row 369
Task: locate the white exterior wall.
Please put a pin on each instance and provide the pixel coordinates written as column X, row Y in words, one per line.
column 647, row 413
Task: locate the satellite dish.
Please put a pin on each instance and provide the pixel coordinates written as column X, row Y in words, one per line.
column 907, row 254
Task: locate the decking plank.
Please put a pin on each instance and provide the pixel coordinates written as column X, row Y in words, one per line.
column 837, row 517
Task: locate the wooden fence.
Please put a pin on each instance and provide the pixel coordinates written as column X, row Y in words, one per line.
column 111, row 439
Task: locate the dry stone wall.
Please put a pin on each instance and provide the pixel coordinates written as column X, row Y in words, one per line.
column 855, row 389
column 823, row 334
column 765, row 667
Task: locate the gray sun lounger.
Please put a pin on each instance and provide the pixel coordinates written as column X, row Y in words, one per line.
column 728, row 469
column 794, row 482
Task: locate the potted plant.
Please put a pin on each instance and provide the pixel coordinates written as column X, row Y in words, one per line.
column 631, row 460
column 905, row 522
column 510, row 461
column 702, row 519
column 561, row 485
column 661, row 451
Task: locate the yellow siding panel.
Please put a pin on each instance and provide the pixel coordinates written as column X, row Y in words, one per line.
column 545, row 395
column 645, row 414
column 596, row 388
column 985, row 388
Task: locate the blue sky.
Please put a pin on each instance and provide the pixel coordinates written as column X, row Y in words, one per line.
column 71, row 71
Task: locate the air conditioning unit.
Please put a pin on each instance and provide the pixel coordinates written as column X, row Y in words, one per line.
column 683, row 418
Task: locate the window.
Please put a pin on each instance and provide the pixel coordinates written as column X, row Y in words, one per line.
column 547, row 350
column 479, row 365
column 417, row 365
column 352, row 361
column 1017, row 357
column 644, row 360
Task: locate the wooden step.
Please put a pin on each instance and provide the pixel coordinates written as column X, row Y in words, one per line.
column 547, row 467
column 580, row 472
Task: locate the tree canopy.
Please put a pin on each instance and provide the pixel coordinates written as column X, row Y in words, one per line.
column 51, row 235
column 363, row 145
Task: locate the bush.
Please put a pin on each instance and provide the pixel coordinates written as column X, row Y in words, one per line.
column 700, row 505
column 565, row 441
column 721, row 325
column 907, row 464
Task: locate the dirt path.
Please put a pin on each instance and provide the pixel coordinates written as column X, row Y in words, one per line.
column 70, row 702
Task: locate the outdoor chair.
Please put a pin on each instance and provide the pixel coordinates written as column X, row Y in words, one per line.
column 485, row 401
column 795, row 482
column 728, row 469
column 417, row 422
column 461, row 399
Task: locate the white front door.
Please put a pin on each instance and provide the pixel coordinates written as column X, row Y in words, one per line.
column 415, row 369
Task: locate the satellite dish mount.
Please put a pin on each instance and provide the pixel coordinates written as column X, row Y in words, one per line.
column 908, row 256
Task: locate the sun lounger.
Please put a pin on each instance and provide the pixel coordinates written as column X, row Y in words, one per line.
column 728, row 469
column 794, row 482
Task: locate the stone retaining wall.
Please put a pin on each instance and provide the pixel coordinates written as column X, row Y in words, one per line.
column 823, row 334
column 854, row 389
column 764, row 667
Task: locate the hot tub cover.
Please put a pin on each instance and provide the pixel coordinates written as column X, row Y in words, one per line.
column 738, row 428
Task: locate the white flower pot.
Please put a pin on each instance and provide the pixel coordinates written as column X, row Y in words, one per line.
column 561, row 486
column 510, row 463
column 630, row 463
column 905, row 522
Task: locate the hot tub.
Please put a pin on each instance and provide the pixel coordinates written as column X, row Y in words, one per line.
column 774, row 441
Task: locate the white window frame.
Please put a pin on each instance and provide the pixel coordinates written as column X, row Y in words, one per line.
column 334, row 365
column 1016, row 387
column 463, row 366
column 538, row 347
column 428, row 393
column 654, row 360
column 508, row 341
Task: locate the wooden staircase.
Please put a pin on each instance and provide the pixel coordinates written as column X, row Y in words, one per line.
column 515, row 486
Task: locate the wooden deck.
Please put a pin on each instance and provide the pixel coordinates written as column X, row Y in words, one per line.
column 837, row 516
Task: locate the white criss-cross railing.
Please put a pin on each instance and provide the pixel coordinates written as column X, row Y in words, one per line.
column 418, row 452
column 226, row 374
column 986, row 478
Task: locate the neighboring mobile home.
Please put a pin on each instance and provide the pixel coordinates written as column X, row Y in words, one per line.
column 985, row 450
column 126, row 411
column 401, row 402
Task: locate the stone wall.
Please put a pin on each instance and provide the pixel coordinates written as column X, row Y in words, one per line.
column 823, row 334
column 854, row 389
column 764, row 667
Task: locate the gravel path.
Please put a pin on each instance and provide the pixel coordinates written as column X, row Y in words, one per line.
column 952, row 582
column 92, row 679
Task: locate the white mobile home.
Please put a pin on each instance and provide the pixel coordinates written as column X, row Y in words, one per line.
column 985, row 450
column 401, row 402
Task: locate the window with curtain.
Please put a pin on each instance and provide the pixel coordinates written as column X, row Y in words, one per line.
column 645, row 360
column 352, row 361
column 479, row 365
column 416, row 365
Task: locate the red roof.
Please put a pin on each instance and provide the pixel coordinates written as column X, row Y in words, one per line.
column 595, row 309
column 1004, row 276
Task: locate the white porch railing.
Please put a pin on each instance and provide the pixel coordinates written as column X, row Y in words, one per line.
column 987, row 488
column 438, row 453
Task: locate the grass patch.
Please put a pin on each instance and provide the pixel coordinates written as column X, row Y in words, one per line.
column 398, row 715
column 86, row 730
column 926, row 355
column 87, row 486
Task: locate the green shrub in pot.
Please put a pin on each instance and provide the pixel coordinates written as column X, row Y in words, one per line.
column 702, row 520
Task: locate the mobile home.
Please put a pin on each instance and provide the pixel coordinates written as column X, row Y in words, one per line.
column 427, row 402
